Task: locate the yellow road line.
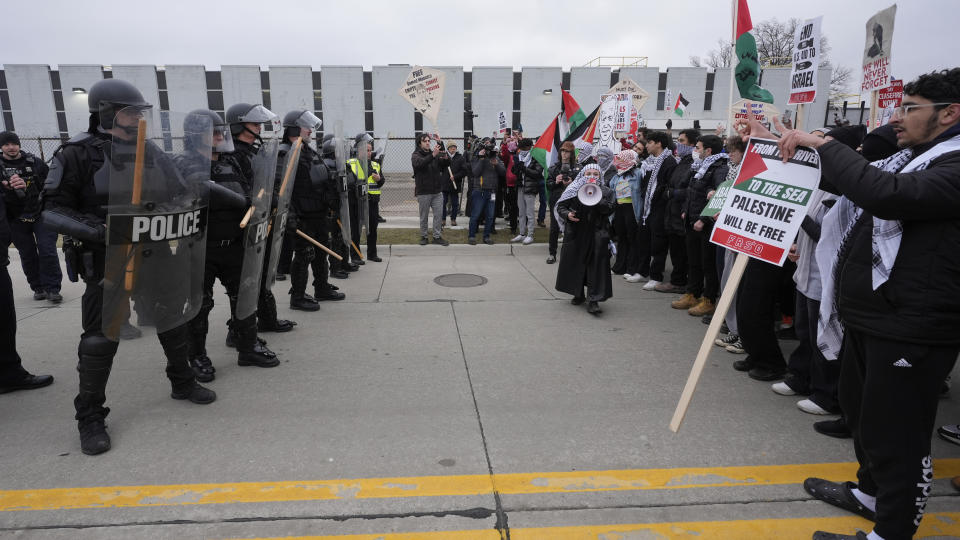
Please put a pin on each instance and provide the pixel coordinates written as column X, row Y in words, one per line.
column 431, row 486
column 933, row 524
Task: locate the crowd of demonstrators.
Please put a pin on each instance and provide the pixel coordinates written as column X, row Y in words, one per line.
column 36, row 244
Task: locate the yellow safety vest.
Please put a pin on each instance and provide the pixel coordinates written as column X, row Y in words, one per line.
column 372, row 188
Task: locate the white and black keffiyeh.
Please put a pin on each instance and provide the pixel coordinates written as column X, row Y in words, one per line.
column 652, row 183
column 885, row 241
column 705, row 164
column 571, row 191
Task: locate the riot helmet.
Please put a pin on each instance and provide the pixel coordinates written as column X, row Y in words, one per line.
column 241, row 114
column 329, row 148
column 204, row 131
column 109, row 97
column 294, row 121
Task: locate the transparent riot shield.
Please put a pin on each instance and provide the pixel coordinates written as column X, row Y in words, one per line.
column 256, row 229
column 342, row 152
column 362, row 152
column 278, row 224
column 156, row 229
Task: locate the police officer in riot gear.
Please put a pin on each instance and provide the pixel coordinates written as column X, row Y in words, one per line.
column 312, row 189
column 338, row 269
column 224, row 257
column 76, row 197
column 246, row 123
column 354, row 186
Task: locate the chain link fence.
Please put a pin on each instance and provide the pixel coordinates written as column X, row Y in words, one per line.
column 396, row 199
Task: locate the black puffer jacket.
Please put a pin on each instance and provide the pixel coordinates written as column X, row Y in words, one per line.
column 699, row 187
column 528, row 176
column 920, row 303
column 676, row 194
column 429, row 171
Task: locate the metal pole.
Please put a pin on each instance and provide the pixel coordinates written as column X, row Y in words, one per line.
column 733, row 41
column 40, row 144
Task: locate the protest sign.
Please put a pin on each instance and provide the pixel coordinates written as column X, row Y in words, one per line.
column 806, row 60
column 423, row 88
column 716, row 202
column 889, row 99
column 762, row 112
column 502, row 121
column 876, row 52
column 621, row 117
column 606, row 120
column 638, row 96
column 761, row 214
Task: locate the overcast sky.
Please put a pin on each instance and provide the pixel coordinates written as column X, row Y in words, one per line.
column 491, row 33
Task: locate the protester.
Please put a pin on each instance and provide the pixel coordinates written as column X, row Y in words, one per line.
column 704, row 283
column 651, row 211
column 675, row 193
column 428, row 165
column 735, row 147
column 585, row 257
column 508, row 154
column 808, row 372
column 626, row 188
column 889, row 248
column 561, row 174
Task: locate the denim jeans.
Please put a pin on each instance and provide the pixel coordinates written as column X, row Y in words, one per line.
column 451, row 200
column 481, row 202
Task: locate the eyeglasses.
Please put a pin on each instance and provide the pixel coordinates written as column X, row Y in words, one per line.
column 902, row 110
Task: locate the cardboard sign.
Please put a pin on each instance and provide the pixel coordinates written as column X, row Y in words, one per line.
column 715, row 204
column 762, row 212
column 638, row 96
column 889, row 99
column 502, row 121
column 803, row 76
column 621, row 117
column 876, row 52
column 423, row 88
column 762, row 112
column 606, row 121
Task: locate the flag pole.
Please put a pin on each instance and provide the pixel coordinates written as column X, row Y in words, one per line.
column 733, row 61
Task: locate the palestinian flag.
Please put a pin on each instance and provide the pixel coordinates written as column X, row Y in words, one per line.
column 571, row 115
column 547, row 150
column 747, row 71
column 681, row 105
column 586, row 130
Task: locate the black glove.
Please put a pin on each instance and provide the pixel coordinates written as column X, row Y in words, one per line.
column 292, row 223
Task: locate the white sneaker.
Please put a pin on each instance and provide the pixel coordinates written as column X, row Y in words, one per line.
column 528, row 240
column 560, row 239
column 783, row 389
column 810, row 407
column 636, row 278
column 516, row 238
column 650, row 285
column 627, row 276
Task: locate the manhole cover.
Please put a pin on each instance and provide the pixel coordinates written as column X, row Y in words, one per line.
column 460, row 280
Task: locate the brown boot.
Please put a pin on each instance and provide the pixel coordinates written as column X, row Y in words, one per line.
column 686, row 301
column 705, row 307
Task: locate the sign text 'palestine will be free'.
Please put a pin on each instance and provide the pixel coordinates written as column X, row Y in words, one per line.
column 762, row 212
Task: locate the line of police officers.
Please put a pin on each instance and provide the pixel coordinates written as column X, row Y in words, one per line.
column 155, row 230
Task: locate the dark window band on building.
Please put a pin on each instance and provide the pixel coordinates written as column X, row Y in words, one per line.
column 58, row 105
column 614, row 77
column 265, row 88
column 5, row 103
column 565, row 81
column 368, row 102
column 214, row 91
column 662, row 92
column 708, row 93
column 467, row 104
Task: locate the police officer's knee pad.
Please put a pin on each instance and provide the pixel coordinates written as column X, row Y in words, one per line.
column 97, row 346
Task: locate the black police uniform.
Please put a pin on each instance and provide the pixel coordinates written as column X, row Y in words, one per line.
column 314, row 190
column 338, row 269
column 76, row 193
column 12, row 374
column 267, row 320
column 37, row 245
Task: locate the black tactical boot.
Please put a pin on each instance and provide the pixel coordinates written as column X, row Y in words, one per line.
column 195, row 393
column 303, row 302
column 203, row 368
column 328, row 294
column 231, row 340
column 251, row 352
column 93, row 435
column 267, row 320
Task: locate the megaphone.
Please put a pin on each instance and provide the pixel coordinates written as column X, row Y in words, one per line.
column 590, row 193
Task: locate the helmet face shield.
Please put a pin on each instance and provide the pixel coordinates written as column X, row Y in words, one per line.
column 308, row 120
column 127, row 118
column 262, row 115
column 222, row 139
